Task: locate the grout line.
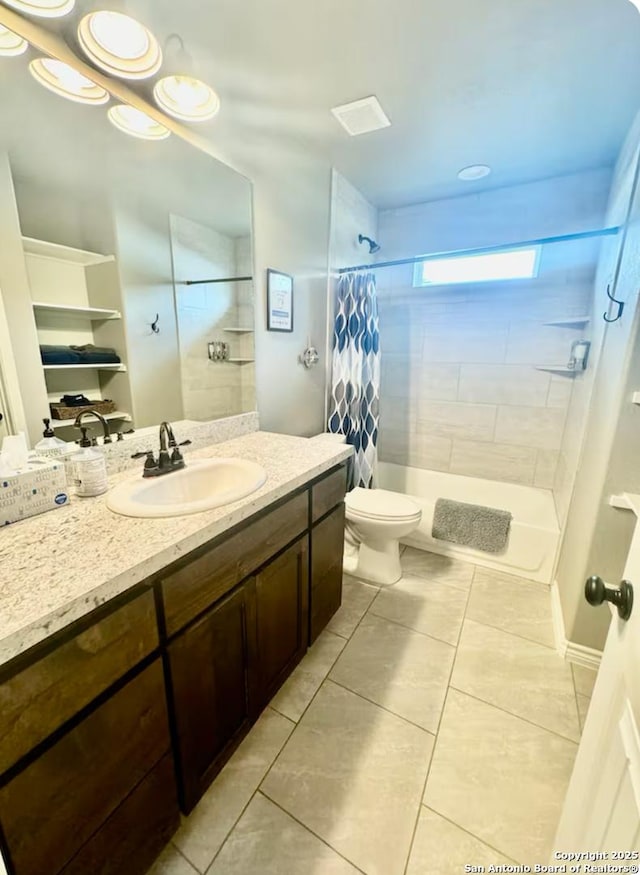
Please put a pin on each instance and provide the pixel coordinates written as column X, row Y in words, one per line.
column 378, row 705
column 515, row 634
column 309, row 830
column 473, row 835
column 409, row 628
column 184, row 857
column 517, row 716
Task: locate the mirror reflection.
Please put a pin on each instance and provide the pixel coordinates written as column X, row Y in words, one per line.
column 125, row 269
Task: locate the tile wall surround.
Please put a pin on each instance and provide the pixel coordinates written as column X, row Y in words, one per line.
column 460, row 391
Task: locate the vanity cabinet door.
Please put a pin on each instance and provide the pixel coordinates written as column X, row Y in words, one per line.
column 209, row 668
column 327, row 546
column 282, row 617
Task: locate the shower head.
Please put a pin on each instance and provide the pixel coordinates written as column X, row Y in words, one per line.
column 373, row 246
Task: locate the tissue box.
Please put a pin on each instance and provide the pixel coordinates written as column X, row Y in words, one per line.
column 40, row 486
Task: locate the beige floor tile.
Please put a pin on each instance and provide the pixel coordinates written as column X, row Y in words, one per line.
column 397, row 668
column 511, row 604
column 583, row 708
column 171, row 862
column 433, row 566
column 266, row 841
column 356, row 598
column 441, row 848
column 525, row 678
column 302, row 685
column 425, row 605
column 203, row 832
column 584, row 679
column 499, row 778
column 353, row 774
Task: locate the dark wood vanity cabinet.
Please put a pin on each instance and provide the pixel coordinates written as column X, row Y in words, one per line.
column 138, row 706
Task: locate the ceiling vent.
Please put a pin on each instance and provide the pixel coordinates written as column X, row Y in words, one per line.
column 361, row 116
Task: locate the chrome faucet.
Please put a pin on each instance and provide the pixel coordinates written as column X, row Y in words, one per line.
column 100, row 418
column 166, row 461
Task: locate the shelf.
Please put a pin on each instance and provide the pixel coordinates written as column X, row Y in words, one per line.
column 94, row 313
column 569, row 321
column 635, row 398
column 620, row 501
column 562, row 370
column 120, row 368
column 240, row 361
column 239, row 330
column 67, row 423
column 44, row 249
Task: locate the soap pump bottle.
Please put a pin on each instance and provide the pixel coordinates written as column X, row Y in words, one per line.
column 89, row 469
column 50, row 446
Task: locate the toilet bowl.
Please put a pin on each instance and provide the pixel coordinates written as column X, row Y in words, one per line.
column 376, row 521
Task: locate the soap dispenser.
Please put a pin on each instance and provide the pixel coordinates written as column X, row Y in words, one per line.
column 50, row 446
column 89, row 469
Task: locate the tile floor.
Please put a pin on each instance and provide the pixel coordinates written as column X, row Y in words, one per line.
column 431, row 726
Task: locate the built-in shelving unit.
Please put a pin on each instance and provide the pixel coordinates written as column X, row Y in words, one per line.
column 116, row 415
column 64, row 254
column 94, row 314
column 570, row 321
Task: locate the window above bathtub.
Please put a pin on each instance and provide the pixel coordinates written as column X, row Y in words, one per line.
column 495, row 266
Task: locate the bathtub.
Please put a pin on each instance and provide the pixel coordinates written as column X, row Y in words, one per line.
column 534, row 537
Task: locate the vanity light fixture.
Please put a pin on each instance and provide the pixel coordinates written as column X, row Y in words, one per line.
column 636, row 3
column 11, row 44
column 132, row 121
column 65, row 81
column 474, row 172
column 42, row 8
column 186, row 98
column 119, row 45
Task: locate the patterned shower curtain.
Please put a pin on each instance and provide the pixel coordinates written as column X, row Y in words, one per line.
column 355, row 384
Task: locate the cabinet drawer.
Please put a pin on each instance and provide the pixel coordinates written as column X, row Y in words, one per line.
column 328, row 493
column 136, row 832
column 40, row 698
column 327, row 546
column 51, row 809
column 202, row 581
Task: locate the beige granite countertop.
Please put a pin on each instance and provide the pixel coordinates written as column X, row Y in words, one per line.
column 59, row 566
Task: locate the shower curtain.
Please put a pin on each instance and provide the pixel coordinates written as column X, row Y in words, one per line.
column 355, row 383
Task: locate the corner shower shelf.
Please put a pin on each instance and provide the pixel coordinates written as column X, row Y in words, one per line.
column 562, row 370
column 93, row 313
column 120, row 368
column 116, row 415
column 239, row 330
column 569, row 321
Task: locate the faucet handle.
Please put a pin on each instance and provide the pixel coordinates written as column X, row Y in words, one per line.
column 150, row 462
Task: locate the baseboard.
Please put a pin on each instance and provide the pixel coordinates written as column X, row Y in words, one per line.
column 559, row 634
column 576, row 653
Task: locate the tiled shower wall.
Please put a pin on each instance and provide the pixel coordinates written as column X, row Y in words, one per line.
column 460, row 391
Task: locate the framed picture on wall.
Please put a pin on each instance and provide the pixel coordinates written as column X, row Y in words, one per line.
column 279, row 301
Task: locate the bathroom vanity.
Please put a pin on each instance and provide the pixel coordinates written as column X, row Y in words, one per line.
column 120, row 718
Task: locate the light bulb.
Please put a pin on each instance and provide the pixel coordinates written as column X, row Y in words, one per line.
column 186, row 98
column 11, row 44
column 119, row 45
column 67, row 82
column 136, row 123
column 43, row 8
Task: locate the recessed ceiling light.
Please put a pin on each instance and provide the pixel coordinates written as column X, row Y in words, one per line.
column 138, row 124
column 473, row 172
column 186, row 98
column 43, row 8
column 120, row 45
column 65, row 81
column 11, row 44
column 361, row 116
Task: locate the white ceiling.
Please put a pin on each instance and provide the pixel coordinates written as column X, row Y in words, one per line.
column 535, row 88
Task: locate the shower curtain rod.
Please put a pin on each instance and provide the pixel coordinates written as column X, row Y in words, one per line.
column 228, row 279
column 581, row 235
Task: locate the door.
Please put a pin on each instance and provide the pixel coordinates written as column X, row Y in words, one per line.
column 602, row 807
column 209, row 668
column 282, row 617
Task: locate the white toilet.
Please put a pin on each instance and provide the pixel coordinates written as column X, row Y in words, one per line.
column 376, row 521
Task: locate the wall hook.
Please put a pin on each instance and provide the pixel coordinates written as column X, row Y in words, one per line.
column 614, row 301
column 154, row 325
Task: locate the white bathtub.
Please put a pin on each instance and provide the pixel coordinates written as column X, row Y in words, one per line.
column 534, row 536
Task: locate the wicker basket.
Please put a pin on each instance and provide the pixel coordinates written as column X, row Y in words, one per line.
column 59, row 411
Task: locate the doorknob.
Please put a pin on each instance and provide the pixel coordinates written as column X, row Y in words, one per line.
column 596, row 593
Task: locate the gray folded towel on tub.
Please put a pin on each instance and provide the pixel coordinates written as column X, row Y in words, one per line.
column 473, row 525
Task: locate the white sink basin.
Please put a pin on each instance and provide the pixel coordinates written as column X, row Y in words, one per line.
column 202, row 485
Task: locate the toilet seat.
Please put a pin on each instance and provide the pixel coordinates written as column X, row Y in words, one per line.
column 379, row 504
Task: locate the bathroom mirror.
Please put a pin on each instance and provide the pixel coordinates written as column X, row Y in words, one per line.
column 128, row 244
